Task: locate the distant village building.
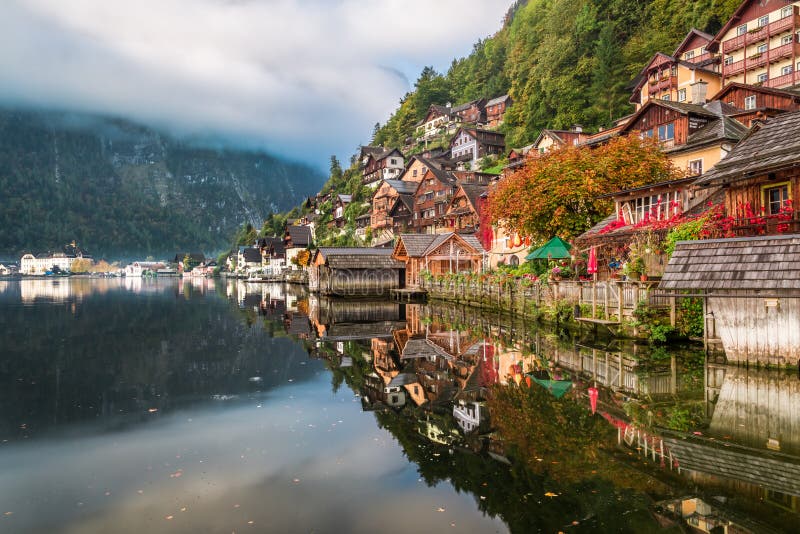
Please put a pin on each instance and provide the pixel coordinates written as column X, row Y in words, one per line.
column 381, row 164
column 463, row 211
column 496, row 110
column 434, row 123
column 472, row 144
column 431, row 199
column 139, row 268
column 248, row 259
column 757, row 102
column 40, row 264
column 340, row 204
column 296, row 239
column 473, row 112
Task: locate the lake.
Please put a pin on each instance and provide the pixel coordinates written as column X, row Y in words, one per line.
column 130, row 405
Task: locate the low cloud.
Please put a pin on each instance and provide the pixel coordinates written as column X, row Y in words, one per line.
column 304, row 78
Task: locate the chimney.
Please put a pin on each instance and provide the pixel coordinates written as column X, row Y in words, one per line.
column 699, row 91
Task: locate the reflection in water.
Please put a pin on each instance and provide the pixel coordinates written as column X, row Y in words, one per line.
column 199, row 405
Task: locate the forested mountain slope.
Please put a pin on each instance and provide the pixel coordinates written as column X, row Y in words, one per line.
column 120, row 189
column 564, row 62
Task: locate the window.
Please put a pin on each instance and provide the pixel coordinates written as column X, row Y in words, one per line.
column 393, row 161
column 750, row 102
column 741, row 30
column 666, row 132
column 763, row 77
column 763, row 21
column 728, row 60
column 787, row 11
column 786, row 70
column 681, row 95
column 762, row 48
column 696, row 167
column 414, row 173
column 703, row 50
column 787, row 39
column 666, row 97
column 776, row 197
column 689, row 54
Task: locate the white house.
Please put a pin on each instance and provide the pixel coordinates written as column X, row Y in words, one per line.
column 138, row 268
column 39, row 265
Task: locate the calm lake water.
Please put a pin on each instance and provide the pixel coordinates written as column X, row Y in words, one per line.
column 205, row 406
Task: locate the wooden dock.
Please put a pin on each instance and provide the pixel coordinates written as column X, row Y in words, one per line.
column 408, row 294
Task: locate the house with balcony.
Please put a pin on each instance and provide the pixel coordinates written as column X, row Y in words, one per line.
column 677, row 79
column 759, row 45
column 463, row 211
column 438, row 254
column 496, row 110
column 434, row 123
column 383, row 200
column 401, row 213
column 469, row 145
column 380, row 165
column 340, row 204
column 431, row 199
column 760, row 178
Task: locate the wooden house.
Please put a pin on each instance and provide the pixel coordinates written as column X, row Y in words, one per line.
column 473, row 112
column 402, row 213
column 760, row 178
column 384, row 198
column 355, row 272
column 758, row 44
column 472, row 144
column 757, row 102
column 496, row 110
column 417, row 167
column 751, row 292
column 695, row 137
column 438, row 254
column 434, row 123
column 340, row 204
column 549, row 140
column 688, row 75
column 463, row 211
column 431, row 199
column 386, row 164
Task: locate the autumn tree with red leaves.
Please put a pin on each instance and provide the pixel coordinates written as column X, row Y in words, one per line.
column 556, row 194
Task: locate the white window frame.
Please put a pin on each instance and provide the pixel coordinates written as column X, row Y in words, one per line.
column 763, row 77
column 787, row 11
column 682, row 95
column 788, row 69
column 763, row 21
column 762, row 48
column 750, row 102
column 695, row 167
column 741, row 30
column 689, row 55
column 728, row 60
column 787, row 39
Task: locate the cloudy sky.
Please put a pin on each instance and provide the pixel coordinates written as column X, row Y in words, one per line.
column 302, row 78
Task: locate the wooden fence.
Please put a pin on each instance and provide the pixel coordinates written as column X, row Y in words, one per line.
column 607, row 298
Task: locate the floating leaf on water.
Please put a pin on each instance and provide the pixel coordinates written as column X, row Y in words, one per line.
column 551, row 494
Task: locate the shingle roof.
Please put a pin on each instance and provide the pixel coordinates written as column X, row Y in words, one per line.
column 359, row 258
column 252, row 255
column 300, row 235
column 497, row 100
column 345, row 198
column 769, row 147
column 417, row 244
column 402, row 186
column 423, row 348
column 406, row 200
column 724, row 128
column 763, row 263
column 473, row 192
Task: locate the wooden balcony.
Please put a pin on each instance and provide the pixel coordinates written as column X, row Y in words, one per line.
column 787, row 80
column 700, row 58
column 732, row 69
column 784, row 51
column 765, row 225
column 759, row 34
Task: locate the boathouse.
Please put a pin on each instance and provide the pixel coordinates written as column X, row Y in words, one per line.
column 751, row 292
column 355, row 272
column 438, row 254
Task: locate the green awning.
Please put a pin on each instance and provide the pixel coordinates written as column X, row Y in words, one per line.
column 556, row 249
column 557, row 388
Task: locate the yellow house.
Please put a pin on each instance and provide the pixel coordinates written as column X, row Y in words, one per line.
column 759, row 44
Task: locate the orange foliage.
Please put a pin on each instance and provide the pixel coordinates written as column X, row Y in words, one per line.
column 556, row 194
